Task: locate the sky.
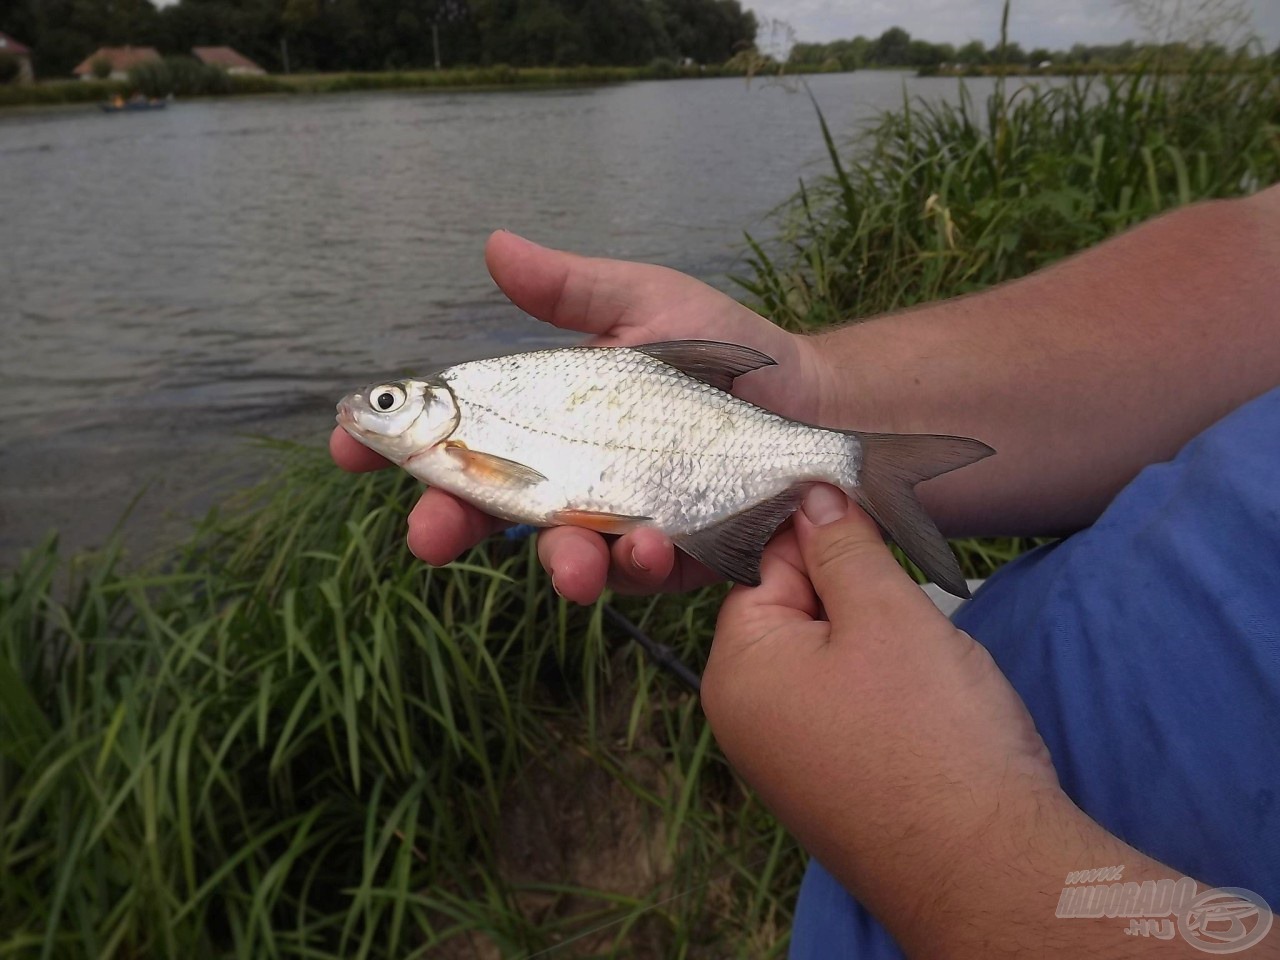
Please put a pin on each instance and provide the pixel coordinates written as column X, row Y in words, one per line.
column 1055, row 24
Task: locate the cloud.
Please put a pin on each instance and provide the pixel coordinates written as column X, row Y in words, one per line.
column 1032, row 23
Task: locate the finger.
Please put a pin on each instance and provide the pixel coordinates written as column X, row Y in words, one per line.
column 578, row 561
column 350, row 454
column 856, row 578
column 646, row 562
column 779, row 612
column 441, row 527
column 589, row 294
column 643, row 562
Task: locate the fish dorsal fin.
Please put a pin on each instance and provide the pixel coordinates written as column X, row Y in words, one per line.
column 492, row 468
column 710, row 361
column 733, row 546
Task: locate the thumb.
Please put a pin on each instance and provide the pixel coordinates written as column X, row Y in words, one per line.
column 564, row 289
column 852, row 570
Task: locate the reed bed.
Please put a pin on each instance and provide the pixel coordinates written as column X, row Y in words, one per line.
column 284, row 738
column 941, row 199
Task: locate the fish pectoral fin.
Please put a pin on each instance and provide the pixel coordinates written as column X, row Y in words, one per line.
column 710, row 361
column 733, row 546
column 492, row 468
column 597, row 520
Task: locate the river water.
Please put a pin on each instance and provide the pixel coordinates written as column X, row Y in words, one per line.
column 172, row 282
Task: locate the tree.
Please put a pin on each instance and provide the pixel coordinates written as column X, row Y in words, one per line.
column 809, row 53
column 892, row 48
column 972, row 54
column 1010, row 53
column 922, row 53
column 708, row 31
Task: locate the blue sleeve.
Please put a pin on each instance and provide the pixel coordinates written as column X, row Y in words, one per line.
column 1147, row 649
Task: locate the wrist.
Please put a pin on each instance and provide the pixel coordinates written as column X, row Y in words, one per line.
column 878, row 374
column 997, row 894
column 830, row 394
column 963, row 861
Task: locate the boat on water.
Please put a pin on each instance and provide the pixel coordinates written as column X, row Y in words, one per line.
column 121, row 105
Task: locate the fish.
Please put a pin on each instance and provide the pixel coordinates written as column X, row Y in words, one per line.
column 615, row 438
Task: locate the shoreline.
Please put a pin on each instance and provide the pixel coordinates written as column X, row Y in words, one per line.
column 52, row 93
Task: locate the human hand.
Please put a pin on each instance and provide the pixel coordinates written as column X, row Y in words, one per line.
column 616, row 303
column 885, row 739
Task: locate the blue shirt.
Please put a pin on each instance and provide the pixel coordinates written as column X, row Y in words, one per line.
column 1147, row 649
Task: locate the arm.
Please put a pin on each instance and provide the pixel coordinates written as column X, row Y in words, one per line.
column 1081, row 374
column 891, row 746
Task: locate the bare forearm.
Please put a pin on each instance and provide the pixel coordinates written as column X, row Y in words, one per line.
column 1081, row 374
column 999, row 891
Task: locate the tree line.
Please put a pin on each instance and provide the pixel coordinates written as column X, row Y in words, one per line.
column 332, row 35
column 897, row 48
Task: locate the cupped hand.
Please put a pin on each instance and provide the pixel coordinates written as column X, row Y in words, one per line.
column 616, row 303
column 883, row 737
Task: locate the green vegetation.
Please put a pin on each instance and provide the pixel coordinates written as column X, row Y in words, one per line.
column 897, row 48
column 286, row 738
column 292, row 740
column 945, row 199
column 373, row 35
column 63, row 92
column 188, row 78
column 10, row 68
column 183, row 76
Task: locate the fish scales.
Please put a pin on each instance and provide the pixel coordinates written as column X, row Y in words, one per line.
column 621, row 432
column 614, row 437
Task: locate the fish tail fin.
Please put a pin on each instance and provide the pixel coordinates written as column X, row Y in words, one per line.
column 887, row 468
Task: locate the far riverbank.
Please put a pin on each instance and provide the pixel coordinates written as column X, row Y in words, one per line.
column 453, row 80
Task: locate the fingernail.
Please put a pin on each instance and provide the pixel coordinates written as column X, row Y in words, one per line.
column 825, row 504
column 635, row 561
column 556, row 587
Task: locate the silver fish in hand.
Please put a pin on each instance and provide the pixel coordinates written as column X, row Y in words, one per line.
column 615, row 438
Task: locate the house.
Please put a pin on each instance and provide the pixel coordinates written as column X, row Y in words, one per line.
column 121, row 59
column 22, row 54
column 236, row 64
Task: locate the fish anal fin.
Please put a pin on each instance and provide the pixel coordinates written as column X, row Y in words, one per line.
column 597, row 520
column 490, row 468
column 710, row 361
column 733, row 546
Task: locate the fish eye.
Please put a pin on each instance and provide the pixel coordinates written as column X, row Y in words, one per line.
column 386, row 398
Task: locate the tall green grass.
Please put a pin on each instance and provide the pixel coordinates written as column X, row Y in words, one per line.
column 291, row 740
column 287, row 739
column 941, row 199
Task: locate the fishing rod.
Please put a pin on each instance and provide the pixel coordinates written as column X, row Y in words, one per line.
column 659, row 653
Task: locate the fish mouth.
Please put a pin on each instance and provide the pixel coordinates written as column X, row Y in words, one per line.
column 346, row 416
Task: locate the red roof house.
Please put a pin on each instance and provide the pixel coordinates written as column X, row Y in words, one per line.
column 22, row 54
column 122, row 59
column 236, row 64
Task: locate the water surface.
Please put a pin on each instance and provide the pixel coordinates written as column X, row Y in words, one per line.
column 176, row 280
